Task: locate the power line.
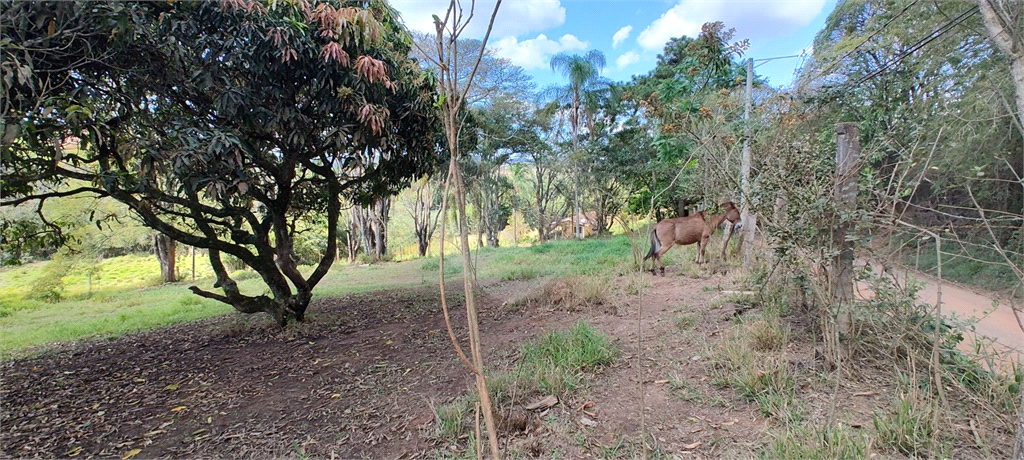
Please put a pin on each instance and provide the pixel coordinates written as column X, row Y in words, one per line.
column 841, row 59
column 831, row 67
column 921, row 43
column 767, row 60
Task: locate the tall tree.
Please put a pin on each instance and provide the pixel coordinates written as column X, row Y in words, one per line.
column 424, row 207
column 682, row 95
column 535, row 138
column 617, row 160
column 257, row 115
column 497, row 123
column 584, row 75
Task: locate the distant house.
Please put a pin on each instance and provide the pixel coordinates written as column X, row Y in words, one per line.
column 584, row 224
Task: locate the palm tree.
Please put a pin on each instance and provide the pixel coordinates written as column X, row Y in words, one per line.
column 584, row 74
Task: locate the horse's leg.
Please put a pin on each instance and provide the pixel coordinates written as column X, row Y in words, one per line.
column 728, row 236
column 657, row 256
column 701, row 246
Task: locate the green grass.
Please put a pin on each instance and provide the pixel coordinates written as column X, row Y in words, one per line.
column 749, row 360
column 684, row 321
column 556, row 361
column 452, row 419
column 126, row 294
column 818, row 443
column 562, row 257
column 907, row 427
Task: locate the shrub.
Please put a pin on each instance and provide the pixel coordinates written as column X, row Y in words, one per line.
column 49, row 286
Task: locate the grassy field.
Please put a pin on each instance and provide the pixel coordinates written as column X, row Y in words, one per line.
column 126, row 295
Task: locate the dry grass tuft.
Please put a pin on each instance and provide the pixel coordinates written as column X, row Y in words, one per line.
column 574, row 293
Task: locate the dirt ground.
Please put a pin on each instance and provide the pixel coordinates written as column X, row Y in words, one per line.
column 361, row 379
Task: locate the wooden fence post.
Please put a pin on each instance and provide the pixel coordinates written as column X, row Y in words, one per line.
column 845, row 195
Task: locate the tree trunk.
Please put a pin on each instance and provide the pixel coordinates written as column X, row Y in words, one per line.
column 421, row 246
column 371, row 223
column 542, row 225
column 352, row 242
column 166, row 252
column 361, row 227
column 492, row 237
column 1008, row 35
column 381, row 213
column 421, row 217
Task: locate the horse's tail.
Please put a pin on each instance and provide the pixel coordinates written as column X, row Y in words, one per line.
column 655, row 244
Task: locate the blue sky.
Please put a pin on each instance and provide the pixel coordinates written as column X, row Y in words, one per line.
column 631, row 34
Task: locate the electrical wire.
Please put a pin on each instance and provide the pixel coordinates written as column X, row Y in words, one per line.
column 921, row 43
column 831, row 67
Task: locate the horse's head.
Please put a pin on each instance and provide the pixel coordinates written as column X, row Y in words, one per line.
column 732, row 214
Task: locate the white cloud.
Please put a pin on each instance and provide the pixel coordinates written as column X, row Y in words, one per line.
column 535, row 53
column 669, row 25
column 514, row 18
column 626, row 59
column 621, row 36
column 761, row 20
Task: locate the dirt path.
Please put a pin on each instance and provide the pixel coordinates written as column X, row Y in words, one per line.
column 997, row 322
column 995, row 318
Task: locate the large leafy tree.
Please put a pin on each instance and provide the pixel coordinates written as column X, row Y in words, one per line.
column 534, row 138
column 221, row 125
column 618, row 160
column 685, row 96
column 490, row 189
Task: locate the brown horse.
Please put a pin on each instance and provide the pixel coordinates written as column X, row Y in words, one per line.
column 688, row 230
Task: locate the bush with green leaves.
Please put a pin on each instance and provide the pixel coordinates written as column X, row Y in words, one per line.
column 49, row 286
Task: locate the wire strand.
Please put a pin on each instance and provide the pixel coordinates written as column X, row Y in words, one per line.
column 921, row 43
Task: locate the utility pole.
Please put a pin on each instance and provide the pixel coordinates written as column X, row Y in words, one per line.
column 749, row 220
